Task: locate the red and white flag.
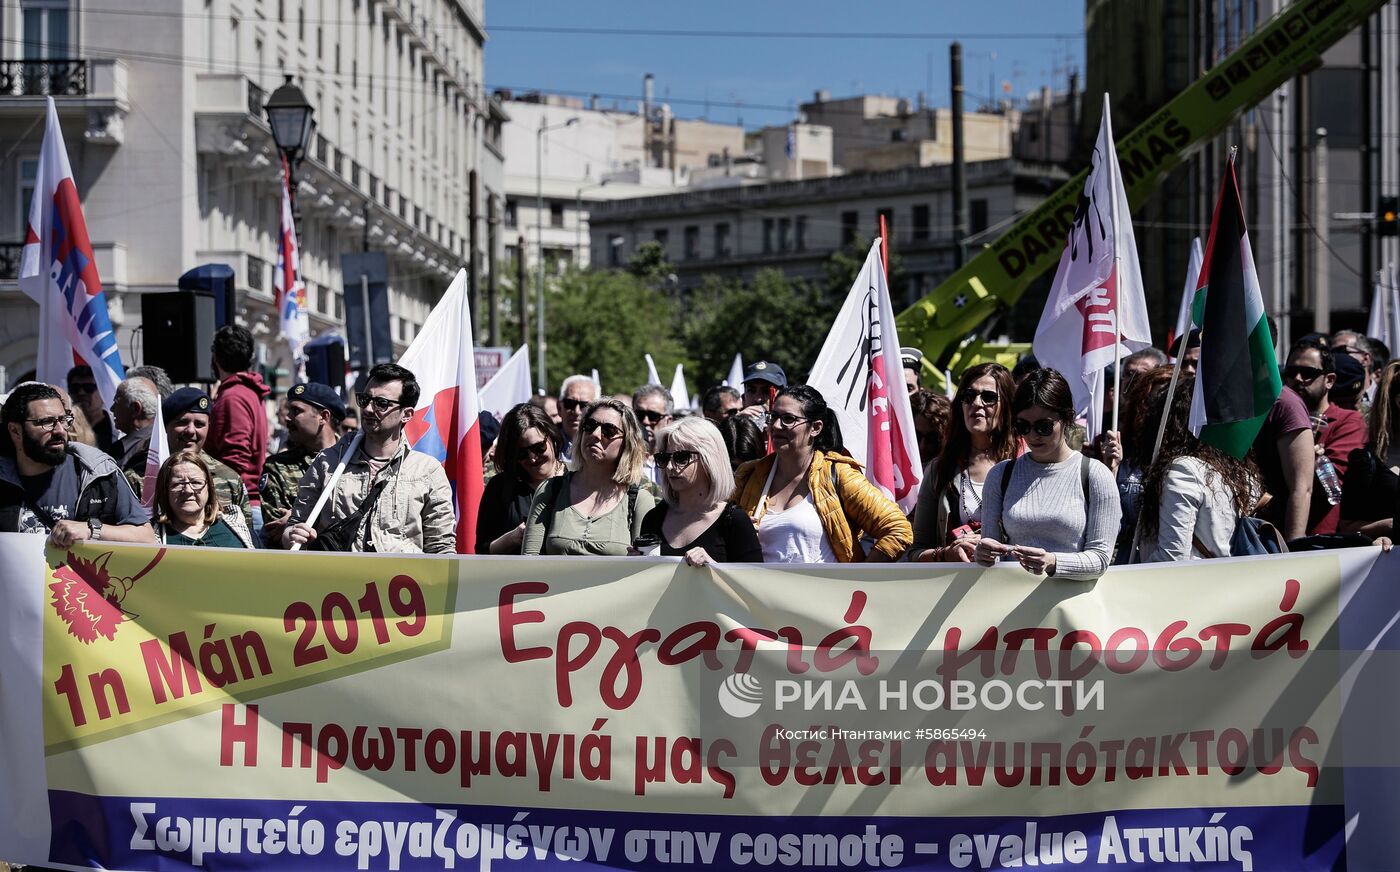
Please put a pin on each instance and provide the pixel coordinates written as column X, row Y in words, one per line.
column 1097, row 294
column 860, row 375
column 157, row 452
column 509, row 387
column 445, row 423
column 57, row 270
column 287, row 285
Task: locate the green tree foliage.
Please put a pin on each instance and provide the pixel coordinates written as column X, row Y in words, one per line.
column 609, row 321
column 771, row 318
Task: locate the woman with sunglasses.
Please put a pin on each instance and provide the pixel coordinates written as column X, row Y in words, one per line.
column 1053, row 510
column 696, row 520
column 948, row 518
column 526, row 456
column 811, row 503
column 597, row 507
column 188, row 510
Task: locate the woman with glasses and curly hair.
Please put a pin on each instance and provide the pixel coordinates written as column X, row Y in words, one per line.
column 948, row 518
column 811, row 503
column 526, row 456
column 597, row 507
column 188, row 511
column 1053, row 510
column 696, row 520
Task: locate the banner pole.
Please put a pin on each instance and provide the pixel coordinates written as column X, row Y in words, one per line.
column 330, row 485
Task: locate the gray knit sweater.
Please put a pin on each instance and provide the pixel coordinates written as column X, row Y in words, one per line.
column 1045, row 509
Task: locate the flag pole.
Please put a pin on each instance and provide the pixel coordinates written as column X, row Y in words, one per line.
column 1117, row 338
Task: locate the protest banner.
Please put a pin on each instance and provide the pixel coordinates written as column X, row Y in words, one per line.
column 173, row 708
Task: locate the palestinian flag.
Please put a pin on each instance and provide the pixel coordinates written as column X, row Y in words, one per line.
column 1237, row 379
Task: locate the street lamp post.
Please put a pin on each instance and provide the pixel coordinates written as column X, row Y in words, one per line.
column 293, row 123
column 541, row 378
column 578, row 221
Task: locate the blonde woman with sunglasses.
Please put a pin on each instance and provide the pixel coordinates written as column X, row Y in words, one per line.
column 597, row 507
column 696, row 521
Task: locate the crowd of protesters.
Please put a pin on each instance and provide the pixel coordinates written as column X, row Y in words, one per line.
column 758, row 473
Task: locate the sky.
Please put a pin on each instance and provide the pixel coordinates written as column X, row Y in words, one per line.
column 896, row 48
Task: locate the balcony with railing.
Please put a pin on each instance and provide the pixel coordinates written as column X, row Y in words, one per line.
column 44, row 78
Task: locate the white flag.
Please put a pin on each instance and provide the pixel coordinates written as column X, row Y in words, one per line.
column 157, row 452
column 680, row 394
column 1393, row 312
column 1188, row 293
column 653, row 378
column 597, row 383
column 860, row 375
column 1378, row 325
column 509, row 387
column 1097, row 294
column 736, row 373
column 57, row 271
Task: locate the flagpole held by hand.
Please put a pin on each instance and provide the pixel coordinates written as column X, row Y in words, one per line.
column 1117, row 349
column 330, row 485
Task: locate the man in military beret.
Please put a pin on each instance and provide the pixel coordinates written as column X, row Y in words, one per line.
column 186, row 415
column 314, row 416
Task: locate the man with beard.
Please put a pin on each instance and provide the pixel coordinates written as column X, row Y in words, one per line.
column 1311, row 373
column 314, row 413
column 67, row 491
column 389, row 498
column 186, row 416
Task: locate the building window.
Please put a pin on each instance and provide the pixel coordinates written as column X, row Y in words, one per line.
column 662, row 237
column 801, row 233
column 767, row 235
column 784, row 234
column 615, row 243
column 301, row 24
column 510, row 213
column 722, row 239
column 556, row 214
column 28, row 172
column 46, row 24
column 888, row 214
column 850, row 227
column 692, row 242
column 978, row 216
column 512, row 254
column 921, row 227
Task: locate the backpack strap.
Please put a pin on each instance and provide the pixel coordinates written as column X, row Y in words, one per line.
column 1084, row 464
column 1005, row 483
column 632, row 507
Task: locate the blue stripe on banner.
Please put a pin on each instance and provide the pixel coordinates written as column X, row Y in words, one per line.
column 217, row 834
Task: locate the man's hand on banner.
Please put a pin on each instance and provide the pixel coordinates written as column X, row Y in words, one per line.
column 66, row 533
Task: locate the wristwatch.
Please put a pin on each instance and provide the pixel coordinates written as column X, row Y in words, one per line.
column 94, row 529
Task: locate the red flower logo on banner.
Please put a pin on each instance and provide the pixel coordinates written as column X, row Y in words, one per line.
column 88, row 599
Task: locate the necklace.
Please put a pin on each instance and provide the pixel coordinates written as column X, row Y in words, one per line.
column 964, row 487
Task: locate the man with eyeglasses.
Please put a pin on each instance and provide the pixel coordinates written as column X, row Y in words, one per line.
column 1311, row 373
column 65, row 490
column 1359, row 347
column 82, row 387
column 389, row 498
column 653, row 407
column 314, row 413
column 575, row 393
column 720, row 403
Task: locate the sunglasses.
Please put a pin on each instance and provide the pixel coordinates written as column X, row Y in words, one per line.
column 569, row 404
column 1042, row 427
column 1308, row 373
column 82, row 389
column 379, row 404
column 988, row 398
column 649, row 417
column 603, row 428
column 678, row 459
column 539, row 449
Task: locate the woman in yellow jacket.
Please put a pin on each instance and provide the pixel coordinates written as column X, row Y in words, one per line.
column 810, row 503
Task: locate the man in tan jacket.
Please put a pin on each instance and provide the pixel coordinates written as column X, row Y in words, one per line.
column 389, row 498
